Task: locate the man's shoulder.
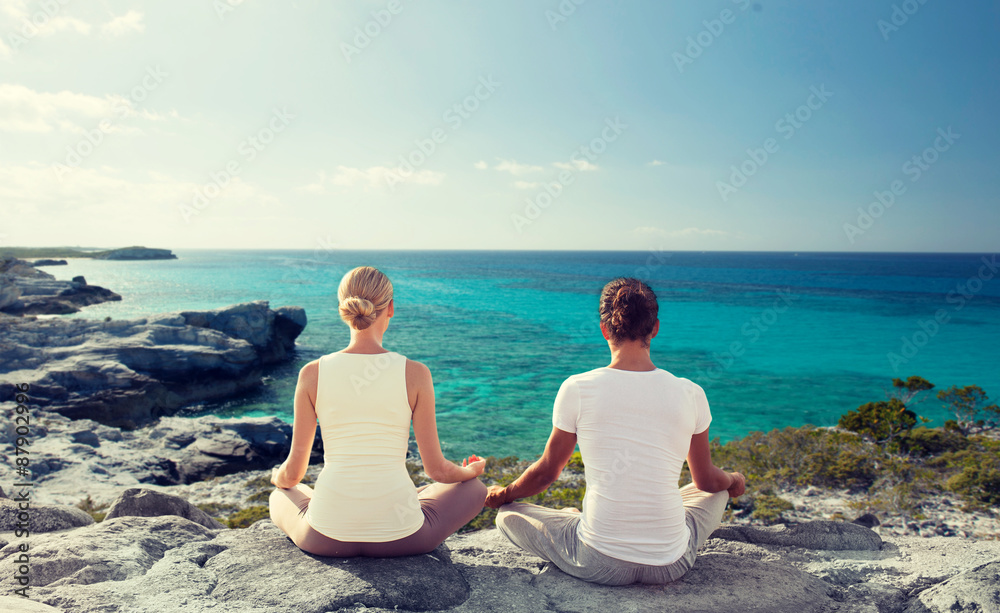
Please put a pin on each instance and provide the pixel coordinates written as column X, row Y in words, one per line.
column 584, row 377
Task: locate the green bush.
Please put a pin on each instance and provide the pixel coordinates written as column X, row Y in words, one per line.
column 803, row 456
column 261, row 496
column 768, row 508
column 246, row 517
column 218, row 510
column 925, row 442
column 881, row 421
column 979, row 483
column 971, row 407
column 96, row 511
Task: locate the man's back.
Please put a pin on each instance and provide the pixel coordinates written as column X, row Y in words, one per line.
column 634, row 429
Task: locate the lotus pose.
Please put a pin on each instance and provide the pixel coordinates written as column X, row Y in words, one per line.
column 365, row 398
column 635, row 424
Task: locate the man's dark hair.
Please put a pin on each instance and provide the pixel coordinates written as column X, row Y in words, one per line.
column 629, row 310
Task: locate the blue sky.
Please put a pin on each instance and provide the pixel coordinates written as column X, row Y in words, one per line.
column 706, row 125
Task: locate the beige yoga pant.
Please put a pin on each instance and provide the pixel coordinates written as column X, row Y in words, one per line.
column 446, row 506
column 551, row 534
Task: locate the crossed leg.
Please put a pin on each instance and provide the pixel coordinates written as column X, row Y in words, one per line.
column 446, row 508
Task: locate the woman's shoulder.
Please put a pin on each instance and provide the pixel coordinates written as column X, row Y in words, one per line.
column 416, row 371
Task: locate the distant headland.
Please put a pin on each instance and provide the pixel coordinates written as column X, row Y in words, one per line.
column 134, row 252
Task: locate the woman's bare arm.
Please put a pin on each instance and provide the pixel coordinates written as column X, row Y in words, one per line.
column 420, row 390
column 707, row 476
column 294, row 467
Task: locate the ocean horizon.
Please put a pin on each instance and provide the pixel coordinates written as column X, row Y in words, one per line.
column 776, row 338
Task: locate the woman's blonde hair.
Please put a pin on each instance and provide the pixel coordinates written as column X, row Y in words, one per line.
column 363, row 293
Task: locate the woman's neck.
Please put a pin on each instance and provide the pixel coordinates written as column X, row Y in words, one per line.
column 364, row 342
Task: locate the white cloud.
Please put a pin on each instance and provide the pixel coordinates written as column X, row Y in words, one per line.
column 576, row 165
column 654, row 163
column 61, row 23
column 124, row 24
column 25, row 110
column 15, row 9
column 481, row 165
column 90, row 194
column 699, row 232
column 375, row 176
column 526, row 184
column 685, row 233
column 516, row 169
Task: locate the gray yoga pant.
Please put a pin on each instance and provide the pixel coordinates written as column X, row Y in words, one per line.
column 551, row 534
column 446, row 507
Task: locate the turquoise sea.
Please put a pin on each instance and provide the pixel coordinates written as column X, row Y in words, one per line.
column 776, row 339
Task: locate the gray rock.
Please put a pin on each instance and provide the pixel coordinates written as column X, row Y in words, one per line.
column 18, row 604
column 25, row 290
column 717, row 582
column 49, row 262
column 171, row 565
column 823, row 535
column 264, row 567
column 139, row 502
column 109, row 551
column 40, row 517
column 72, row 459
column 974, row 591
column 884, row 598
column 867, row 520
column 10, row 293
column 127, row 373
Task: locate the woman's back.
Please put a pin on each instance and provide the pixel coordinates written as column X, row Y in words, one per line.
column 364, row 492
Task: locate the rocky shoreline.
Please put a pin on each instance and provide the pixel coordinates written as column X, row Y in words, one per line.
column 129, row 372
column 158, row 553
column 103, row 439
column 25, row 290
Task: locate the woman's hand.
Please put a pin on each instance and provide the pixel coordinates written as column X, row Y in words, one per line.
column 277, row 477
column 739, row 485
column 474, row 466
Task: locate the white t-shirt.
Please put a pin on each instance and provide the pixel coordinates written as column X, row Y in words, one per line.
column 634, row 430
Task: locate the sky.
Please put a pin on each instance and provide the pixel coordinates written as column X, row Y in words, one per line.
column 862, row 125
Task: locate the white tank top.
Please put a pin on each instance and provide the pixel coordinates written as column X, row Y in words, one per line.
column 364, row 492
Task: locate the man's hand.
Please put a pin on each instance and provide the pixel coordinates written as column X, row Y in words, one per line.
column 739, row 485
column 496, row 496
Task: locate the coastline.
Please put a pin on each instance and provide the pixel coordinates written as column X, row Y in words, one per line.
column 131, row 513
column 934, row 510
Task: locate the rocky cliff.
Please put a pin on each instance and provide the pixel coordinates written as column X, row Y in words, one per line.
column 127, row 373
column 25, row 290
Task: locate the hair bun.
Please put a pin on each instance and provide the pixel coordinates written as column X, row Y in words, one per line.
column 359, row 312
column 629, row 309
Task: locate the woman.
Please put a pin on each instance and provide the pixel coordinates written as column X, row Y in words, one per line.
column 365, row 398
column 635, row 424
